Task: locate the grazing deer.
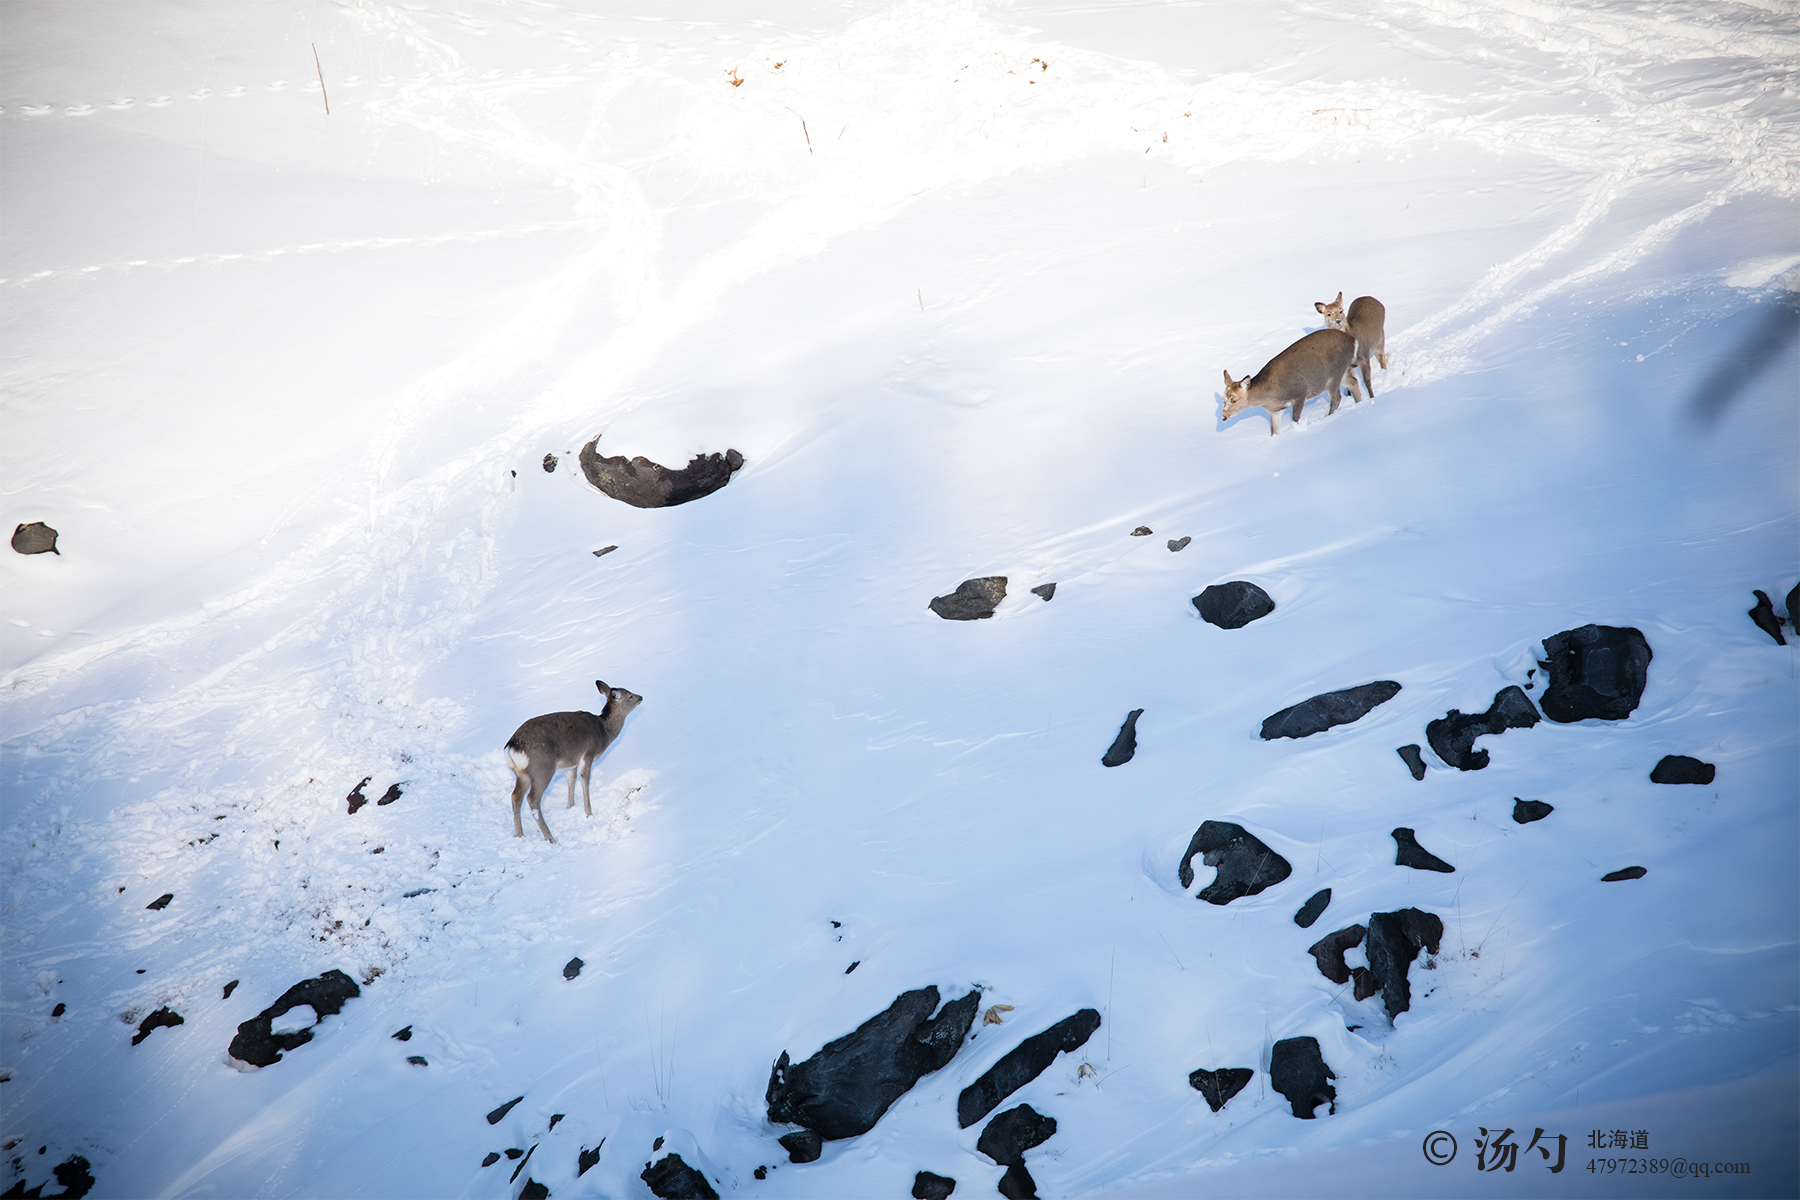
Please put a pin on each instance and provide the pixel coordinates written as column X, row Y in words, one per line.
column 1316, row 363
column 546, row 744
column 1367, row 323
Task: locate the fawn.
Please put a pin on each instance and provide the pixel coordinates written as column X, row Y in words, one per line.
column 1367, row 323
column 545, row 744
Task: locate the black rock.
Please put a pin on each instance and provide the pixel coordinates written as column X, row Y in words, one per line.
column 673, row 1179
column 1009, row 1135
column 1022, row 1064
column 533, row 1190
column 603, row 551
column 1627, row 873
column 572, row 968
column 1452, row 737
column 1332, row 708
column 853, row 966
column 1125, row 745
column 1764, row 616
column 1793, row 598
column 417, row 1060
column 73, row 1173
column 493, row 1156
column 58, row 1011
column 356, row 798
column 1527, row 811
column 644, row 484
column 802, row 1145
column 389, row 796
column 927, row 1186
column 1220, row 1085
column 229, row 988
column 402, row 1035
column 499, row 1114
column 587, row 1159
column 1415, row 762
column 161, row 902
column 555, row 1118
column 1178, row 544
column 973, row 599
column 1315, row 904
column 1329, row 950
column 1141, row 531
column 1233, row 605
column 1017, row 1183
column 843, row 1089
column 1679, row 768
column 162, row 1018
column 1597, row 671
column 35, row 538
column 1395, row 939
column 550, row 461
column 515, row 1154
column 1408, row 853
column 257, row 1046
column 1046, row 590
column 1297, row 1070
column 1246, row 866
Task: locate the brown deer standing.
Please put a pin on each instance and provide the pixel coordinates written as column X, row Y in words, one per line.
column 1367, row 323
column 1316, row 363
column 572, row 740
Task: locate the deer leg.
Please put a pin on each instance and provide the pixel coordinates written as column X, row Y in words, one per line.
column 1381, row 354
column 587, row 770
column 537, row 807
column 1367, row 386
column 571, row 803
column 518, row 797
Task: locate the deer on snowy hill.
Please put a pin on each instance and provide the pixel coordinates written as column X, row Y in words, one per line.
column 1316, row 363
column 1367, row 323
column 572, row 740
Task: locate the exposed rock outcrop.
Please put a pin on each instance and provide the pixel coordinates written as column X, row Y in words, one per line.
column 927, row 1186
column 673, row 1179
column 1221, row 1085
column 1125, row 745
column 1408, row 853
column 162, row 1018
column 1022, row 1064
column 644, row 484
column 1233, row 605
column 973, row 599
column 1452, row 737
column 1415, row 762
column 1297, row 1070
column 1328, row 709
column 1679, row 768
column 1596, row 671
column 1395, row 939
column 1246, row 866
column 802, row 1145
column 256, row 1046
column 1329, row 950
column 1009, row 1135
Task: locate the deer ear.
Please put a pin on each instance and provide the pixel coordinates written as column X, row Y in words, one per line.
column 1319, row 304
column 1227, row 378
column 1340, row 300
column 606, row 692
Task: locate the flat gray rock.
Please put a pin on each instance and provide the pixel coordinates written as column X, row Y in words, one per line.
column 35, row 538
column 645, row 484
column 1324, row 711
column 1124, row 747
column 1233, row 605
column 973, row 599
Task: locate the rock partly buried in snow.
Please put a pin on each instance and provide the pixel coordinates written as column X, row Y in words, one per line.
column 1125, row 745
column 1048, row 592
column 572, row 968
column 1017, row 1183
column 1297, row 1070
column 1332, row 708
column 1415, row 762
column 1022, row 1064
column 843, row 1089
column 1177, row 545
column 1009, row 1135
column 550, row 461
column 255, row 1044
column 1141, row 531
column 673, row 1179
column 356, row 799
column 927, row 1186
column 1329, row 951
column 1395, row 939
column 1627, row 873
column 1452, row 736
column 644, row 484
column 802, row 1145
column 1408, row 853
column 499, row 1114
column 1221, row 1085
column 1311, row 910
column 1246, row 865
column 1527, row 811
column 1597, row 671
column 1679, row 768
column 587, row 1160
column 972, row 600
column 35, row 538
column 1764, row 616
column 1233, row 605
column 162, row 1018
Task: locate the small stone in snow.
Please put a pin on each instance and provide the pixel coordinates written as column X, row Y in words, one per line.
column 35, row 538
column 549, row 463
column 356, row 799
column 802, row 1145
column 973, row 599
column 494, row 1117
column 1177, row 544
column 229, row 988
column 1221, row 1085
column 927, row 1186
column 1627, row 873
column 1046, row 590
column 1141, row 531
column 1408, row 853
column 160, row 1019
column 161, row 902
column 493, row 1156
column 1679, row 768
column 417, row 1060
column 572, row 968
column 1124, row 746
column 402, row 1035
column 1415, row 761
column 389, row 796
column 604, row 550
column 1309, row 912
column 1527, row 811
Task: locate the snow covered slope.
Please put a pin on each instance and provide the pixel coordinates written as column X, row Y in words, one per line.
column 959, row 281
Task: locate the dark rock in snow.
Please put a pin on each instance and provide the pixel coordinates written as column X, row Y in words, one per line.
column 927, row 1186
column 1329, row 950
column 1793, row 598
column 161, row 902
column 1178, row 544
column 389, row 796
column 402, row 1035
column 1415, row 762
column 1009, row 1135
column 673, row 1179
column 1597, row 671
column 1627, row 873
column 75, row 1176
column 1452, row 737
column 1395, row 939
column 1408, row 853
column 603, row 551
column 1125, row 745
column 325, row 995
column 644, row 484
column 493, row 1156
column 1315, row 904
column 533, row 1190
column 1332, row 708
column 572, row 968
column 973, row 599
column 35, row 538
column 1017, row 1183
column 1022, row 1064
column 1047, row 591
column 587, row 1159
column 514, row 1154
column 499, row 1114
column 1221, row 1085
column 229, row 988
column 843, row 1089
column 550, row 461
column 1233, row 605
column 1527, row 811
column 555, row 1118
column 417, row 1060
column 58, row 1011
column 1679, row 768
column 802, row 1145
column 1764, row 616
column 1141, row 531
column 853, row 966
column 162, row 1018
column 356, row 798
column 1297, row 1070
column 1364, row 983
column 522, row 1163
column 1246, row 866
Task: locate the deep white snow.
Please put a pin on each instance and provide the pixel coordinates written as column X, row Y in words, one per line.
column 959, row 281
